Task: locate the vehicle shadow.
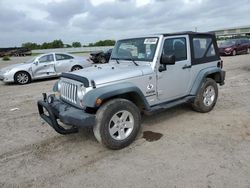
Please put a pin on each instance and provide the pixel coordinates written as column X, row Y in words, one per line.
column 165, row 115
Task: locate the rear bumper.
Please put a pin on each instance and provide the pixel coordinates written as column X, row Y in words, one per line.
column 66, row 114
column 222, row 77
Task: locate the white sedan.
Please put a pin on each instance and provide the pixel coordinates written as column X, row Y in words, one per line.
column 43, row 66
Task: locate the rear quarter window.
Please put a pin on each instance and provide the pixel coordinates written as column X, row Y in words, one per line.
column 204, row 49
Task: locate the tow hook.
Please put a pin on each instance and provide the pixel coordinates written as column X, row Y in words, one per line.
column 44, row 97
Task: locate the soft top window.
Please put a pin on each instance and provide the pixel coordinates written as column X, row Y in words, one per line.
column 204, row 49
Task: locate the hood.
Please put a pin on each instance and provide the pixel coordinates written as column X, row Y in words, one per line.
column 106, row 73
column 19, row 65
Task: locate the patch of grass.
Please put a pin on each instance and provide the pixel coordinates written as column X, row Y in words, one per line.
column 6, row 58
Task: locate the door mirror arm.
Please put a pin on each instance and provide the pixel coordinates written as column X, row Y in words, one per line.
column 162, row 68
column 167, row 59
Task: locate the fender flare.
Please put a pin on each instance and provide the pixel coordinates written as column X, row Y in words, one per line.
column 113, row 90
column 200, row 78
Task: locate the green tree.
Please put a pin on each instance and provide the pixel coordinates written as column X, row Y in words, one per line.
column 57, row 44
column 103, row 43
column 31, row 46
column 76, row 44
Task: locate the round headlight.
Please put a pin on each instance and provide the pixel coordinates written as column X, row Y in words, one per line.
column 81, row 92
column 57, row 86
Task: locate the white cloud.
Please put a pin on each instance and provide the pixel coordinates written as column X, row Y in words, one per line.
column 142, row 2
column 98, row 2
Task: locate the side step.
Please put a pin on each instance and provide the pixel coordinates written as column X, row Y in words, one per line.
column 161, row 107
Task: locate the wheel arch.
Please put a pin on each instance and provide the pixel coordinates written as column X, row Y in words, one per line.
column 123, row 90
column 214, row 73
column 22, row 71
column 76, row 65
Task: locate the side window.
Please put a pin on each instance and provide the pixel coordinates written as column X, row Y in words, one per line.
column 177, row 47
column 203, row 47
column 46, row 58
column 60, row 57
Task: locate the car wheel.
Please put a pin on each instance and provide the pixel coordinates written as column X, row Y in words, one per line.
column 206, row 97
column 22, row 78
column 234, row 53
column 76, row 67
column 117, row 123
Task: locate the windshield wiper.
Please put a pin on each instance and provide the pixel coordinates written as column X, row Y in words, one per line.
column 131, row 59
column 116, row 59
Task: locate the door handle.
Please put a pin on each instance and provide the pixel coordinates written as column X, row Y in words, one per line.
column 45, row 65
column 186, row 66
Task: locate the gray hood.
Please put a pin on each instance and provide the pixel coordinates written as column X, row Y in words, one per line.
column 106, row 73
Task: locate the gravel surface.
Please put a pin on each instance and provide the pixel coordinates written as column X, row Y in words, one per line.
column 191, row 150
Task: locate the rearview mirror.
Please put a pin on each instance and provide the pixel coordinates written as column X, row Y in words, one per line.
column 35, row 62
column 167, row 59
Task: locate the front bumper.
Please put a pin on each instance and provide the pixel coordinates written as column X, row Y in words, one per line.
column 6, row 77
column 67, row 114
column 226, row 52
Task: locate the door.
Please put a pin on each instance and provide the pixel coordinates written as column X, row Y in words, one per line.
column 174, row 82
column 44, row 66
column 64, row 63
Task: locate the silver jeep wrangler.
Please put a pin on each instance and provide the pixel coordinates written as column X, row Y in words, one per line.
column 144, row 75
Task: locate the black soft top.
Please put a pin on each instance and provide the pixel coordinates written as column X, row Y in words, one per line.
column 187, row 33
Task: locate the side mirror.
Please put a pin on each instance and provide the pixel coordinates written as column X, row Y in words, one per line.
column 167, row 59
column 35, row 62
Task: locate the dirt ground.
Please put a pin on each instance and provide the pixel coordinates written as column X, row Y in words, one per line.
column 196, row 150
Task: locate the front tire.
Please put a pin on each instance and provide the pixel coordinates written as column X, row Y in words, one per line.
column 22, row 78
column 118, row 122
column 206, row 97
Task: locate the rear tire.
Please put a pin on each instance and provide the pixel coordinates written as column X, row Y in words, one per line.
column 234, row 53
column 22, row 78
column 248, row 50
column 206, row 97
column 118, row 122
column 76, row 67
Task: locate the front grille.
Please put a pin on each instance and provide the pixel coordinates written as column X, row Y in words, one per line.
column 69, row 92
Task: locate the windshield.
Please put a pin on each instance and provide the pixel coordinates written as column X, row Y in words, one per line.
column 138, row 49
column 228, row 43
